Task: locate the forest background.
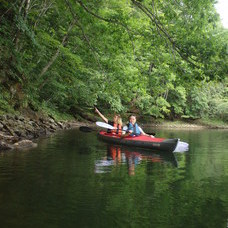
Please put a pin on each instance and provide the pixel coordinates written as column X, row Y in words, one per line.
column 163, row 59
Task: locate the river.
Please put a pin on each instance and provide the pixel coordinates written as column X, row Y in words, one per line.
column 74, row 180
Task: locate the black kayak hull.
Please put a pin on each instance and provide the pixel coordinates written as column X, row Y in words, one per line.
column 167, row 145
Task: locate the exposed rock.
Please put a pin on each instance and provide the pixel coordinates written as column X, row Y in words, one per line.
column 17, row 131
column 9, row 117
column 8, row 129
column 60, row 125
column 31, row 123
column 8, row 138
column 24, row 144
column 41, row 120
column 51, row 120
column 21, row 118
column 52, row 126
column 5, row 146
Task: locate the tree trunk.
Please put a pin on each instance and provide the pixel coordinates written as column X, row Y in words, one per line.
column 44, row 8
column 151, row 67
column 24, row 4
column 26, row 8
column 55, row 56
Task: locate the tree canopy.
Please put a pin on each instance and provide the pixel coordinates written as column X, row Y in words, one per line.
column 163, row 58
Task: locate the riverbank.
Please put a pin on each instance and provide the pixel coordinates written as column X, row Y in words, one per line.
column 189, row 125
column 20, row 131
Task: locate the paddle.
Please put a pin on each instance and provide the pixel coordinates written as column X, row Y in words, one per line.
column 105, row 125
column 100, row 124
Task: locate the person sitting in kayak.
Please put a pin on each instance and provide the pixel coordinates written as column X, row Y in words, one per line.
column 117, row 122
column 134, row 129
column 119, row 126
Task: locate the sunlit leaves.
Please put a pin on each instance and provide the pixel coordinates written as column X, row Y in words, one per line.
column 116, row 57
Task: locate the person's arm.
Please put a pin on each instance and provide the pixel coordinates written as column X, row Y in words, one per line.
column 130, row 128
column 102, row 116
column 125, row 135
column 143, row 133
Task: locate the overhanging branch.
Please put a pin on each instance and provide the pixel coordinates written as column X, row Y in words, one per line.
column 161, row 28
column 109, row 21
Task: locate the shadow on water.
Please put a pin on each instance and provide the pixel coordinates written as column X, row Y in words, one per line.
column 131, row 157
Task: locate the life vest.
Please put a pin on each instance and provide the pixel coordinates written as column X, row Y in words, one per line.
column 134, row 128
column 118, row 131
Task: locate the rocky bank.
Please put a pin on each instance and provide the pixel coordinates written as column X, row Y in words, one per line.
column 17, row 131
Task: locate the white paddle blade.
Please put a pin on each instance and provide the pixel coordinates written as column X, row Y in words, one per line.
column 105, row 125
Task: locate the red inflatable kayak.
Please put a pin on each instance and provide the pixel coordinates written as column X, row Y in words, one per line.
column 140, row 141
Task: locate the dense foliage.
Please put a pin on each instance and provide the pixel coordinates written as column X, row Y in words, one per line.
column 163, row 58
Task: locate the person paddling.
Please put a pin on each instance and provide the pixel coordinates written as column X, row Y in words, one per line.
column 117, row 122
column 134, row 129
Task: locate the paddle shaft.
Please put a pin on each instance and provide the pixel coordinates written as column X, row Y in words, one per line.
column 88, row 129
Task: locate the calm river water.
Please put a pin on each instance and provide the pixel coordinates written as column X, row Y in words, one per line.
column 74, row 180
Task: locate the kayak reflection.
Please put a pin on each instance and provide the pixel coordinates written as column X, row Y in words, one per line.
column 130, row 157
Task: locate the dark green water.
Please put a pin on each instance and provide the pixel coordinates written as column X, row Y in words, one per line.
column 73, row 180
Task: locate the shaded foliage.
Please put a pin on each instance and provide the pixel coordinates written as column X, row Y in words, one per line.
column 166, row 58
